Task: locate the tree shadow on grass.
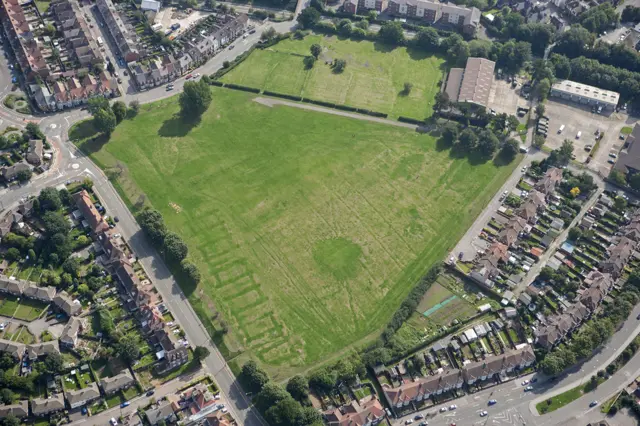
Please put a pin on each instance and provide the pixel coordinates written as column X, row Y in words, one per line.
column 83, row 130
column 383, row 47
column 178, row 126
column 502, row 159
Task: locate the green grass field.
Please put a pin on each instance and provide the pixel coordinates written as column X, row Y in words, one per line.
column 374, row 77
column 309, row 228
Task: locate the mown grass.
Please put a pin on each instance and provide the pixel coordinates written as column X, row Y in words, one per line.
column 309, row 229
column 373, row 79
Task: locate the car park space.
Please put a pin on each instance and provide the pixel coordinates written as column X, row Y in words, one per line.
column 580, row 125
column 504, row 98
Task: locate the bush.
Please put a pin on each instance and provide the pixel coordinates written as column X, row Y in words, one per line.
column 243, row 88
column 410, row 120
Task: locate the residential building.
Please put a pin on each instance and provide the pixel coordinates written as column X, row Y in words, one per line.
column 200, row 47
column 551, row 179
column 488, row 265
column 10, row 173
column 34, row 155
column 156, row 72
column 37, row 350
column 378, row 5
column 66, row 304
column 111, row 385
column 91, row 215
column 44, row 406
column 129, row 279
column 423, row 388
column 80, row 397
column 150, row 5
column 629, row 158
column 632, row 229
column 585, row 94
column 618, row 255
column 511, row 230
column 69, row 336
column 19, row 410
column 43, row 294
column 12, row 286
column 350, row 6
column 533, row 206
column 369, row 413
column 473, row 83
column 124, row 37
column 499, row 365
column 74, row 91
column 162, row 412
column 468, row 19
column 14, row 348
column 172, row 353
column 150, row 319
column 75, row 31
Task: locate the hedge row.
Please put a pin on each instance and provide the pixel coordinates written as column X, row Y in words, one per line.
column 372, row 113
column 282, row 95
column 410, row 120
column 216, row 83
column 243, row 88
column 237, row 61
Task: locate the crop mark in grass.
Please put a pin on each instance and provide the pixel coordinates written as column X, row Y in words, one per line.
column 339, row 257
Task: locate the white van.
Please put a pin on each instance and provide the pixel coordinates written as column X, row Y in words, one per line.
column 561, row 129
column 578, row 135
column 100, row 42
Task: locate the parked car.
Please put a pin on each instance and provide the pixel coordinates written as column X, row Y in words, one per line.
column 493, row 402
column 528, row 388
column 151, row 392
column 124, row 404
column 593, row 403
column 189, row 76
column 408, row 422
column 113, row 421
column 483, row 413
column 419, row 417
column 231, row 47
column 525, row 383
column 453, row 407
column 443, row 409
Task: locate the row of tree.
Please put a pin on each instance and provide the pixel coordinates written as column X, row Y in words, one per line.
column 106, row 117
column 169, row 243
column 280, row 406
column 510, row 25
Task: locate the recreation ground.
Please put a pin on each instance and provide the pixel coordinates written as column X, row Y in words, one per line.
column 309, row 228
column 373, row 79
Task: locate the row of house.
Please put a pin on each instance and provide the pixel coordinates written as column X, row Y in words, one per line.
column 72, row 90
column 198, row 48
column 35, row 156
column 74, row 398
column 424, row 388
column 77, row 38
column 124, row 37
column 61, row 300
column 467, row 19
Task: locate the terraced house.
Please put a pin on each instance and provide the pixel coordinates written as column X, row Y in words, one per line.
column 369, row 413
column 467, row 19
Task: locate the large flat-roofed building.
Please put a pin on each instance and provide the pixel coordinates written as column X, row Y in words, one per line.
column 585, row 94
column 473, row 83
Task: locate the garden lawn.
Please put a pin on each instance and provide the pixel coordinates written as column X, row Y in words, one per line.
column 373, row 79
column 309, row 228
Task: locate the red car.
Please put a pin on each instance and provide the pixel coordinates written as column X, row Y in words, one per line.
column 189, row 76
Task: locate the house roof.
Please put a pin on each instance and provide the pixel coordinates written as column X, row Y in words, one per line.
column 509, row 233
column 71, row 330
column 43, row 293
column 89, row 211
column 11, row 285
column 68, row 306
column 40, row 349
column 19, row 410
column 119, row 381
column 477, row 81
column 47, row 405
column 163, row 411
column 548, row 183
column 14, row 348
column 86, row 394
column 355, row 414
column 629, row 159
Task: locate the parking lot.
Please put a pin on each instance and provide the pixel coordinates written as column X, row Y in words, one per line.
column 580, row 126
column 505, row 99
column 169, row 16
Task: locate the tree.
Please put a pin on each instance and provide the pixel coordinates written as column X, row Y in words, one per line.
column 55, row 223
column 97, row 103
column 54, row 363
column 574, row 42
column 344, row 27
column 407, row 88
column 175, row 248
column 268, row 34
column 427, row 39
column 309, row 62
column 49, row 199
column 253, row 376
column 510, row 148
column 72, row 266
column 600, row 18
column 128, row 347
column 322, row 381
column 24, row 175
column 285, row 412
column 119, row 110
column 195, row 99
column 540, row 109
column 575, row 192
column 104, row 120
column 457, row 50
column 270, row 395
column 191, row 271
column 487, row 143
column 152, row 222
column 316, row 50
column 538, row 141
column 11, row 420
column 391, row 32
column 620, row 203
column 134, row 107
column 339, row 65
column 467, row 140
column 618, row 177
column 298, row 387
column 201, row 352
column 575, row 233
column 7, row 396
column 552, row 365
column 441, row 101
column 34, row 132
column 542, row 87
column 308, row 18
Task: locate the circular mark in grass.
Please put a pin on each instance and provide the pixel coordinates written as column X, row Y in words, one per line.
column 339, row 257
